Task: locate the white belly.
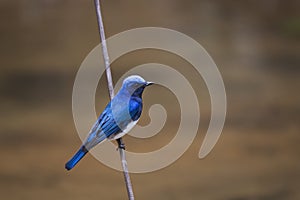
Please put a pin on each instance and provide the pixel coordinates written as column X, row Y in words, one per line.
column 126, row 130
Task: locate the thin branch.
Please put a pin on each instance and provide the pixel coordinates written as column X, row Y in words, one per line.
column 104, row 49
column 125, row 169
column 111, row 94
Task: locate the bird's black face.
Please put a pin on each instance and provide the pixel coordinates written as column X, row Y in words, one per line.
column 139, row 91
column 137, row 87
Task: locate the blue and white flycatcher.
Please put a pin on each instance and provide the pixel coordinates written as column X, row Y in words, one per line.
column 118, row 118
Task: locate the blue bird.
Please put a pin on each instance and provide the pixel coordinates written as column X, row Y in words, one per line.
column 118, row 118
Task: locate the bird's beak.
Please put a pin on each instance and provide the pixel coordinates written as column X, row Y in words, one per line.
column 149, row 83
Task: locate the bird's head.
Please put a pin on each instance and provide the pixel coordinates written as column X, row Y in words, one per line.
column 135, row 84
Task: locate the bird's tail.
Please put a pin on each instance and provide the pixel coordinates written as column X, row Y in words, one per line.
column 76, row 158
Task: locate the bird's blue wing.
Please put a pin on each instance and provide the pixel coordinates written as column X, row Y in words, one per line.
column 107, row 123
column 104, row 128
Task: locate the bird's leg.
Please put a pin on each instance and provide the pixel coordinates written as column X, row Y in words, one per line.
column 121, row 145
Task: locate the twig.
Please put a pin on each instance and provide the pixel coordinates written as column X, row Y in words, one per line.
column 104, row 49
column 121, row 145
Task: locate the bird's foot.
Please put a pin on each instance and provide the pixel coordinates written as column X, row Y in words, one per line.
column 121, row 145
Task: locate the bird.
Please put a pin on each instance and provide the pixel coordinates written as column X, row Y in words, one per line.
column 119, row 116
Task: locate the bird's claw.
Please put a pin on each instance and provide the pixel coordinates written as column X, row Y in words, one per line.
column 121, row 146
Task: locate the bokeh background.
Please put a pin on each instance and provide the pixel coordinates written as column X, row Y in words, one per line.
column 256, row 46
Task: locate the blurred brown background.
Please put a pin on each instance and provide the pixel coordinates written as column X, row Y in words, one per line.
column 256, row 47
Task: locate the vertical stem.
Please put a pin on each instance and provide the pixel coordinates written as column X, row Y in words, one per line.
column 121, row 146
column 111, row 94
column 104, row 49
